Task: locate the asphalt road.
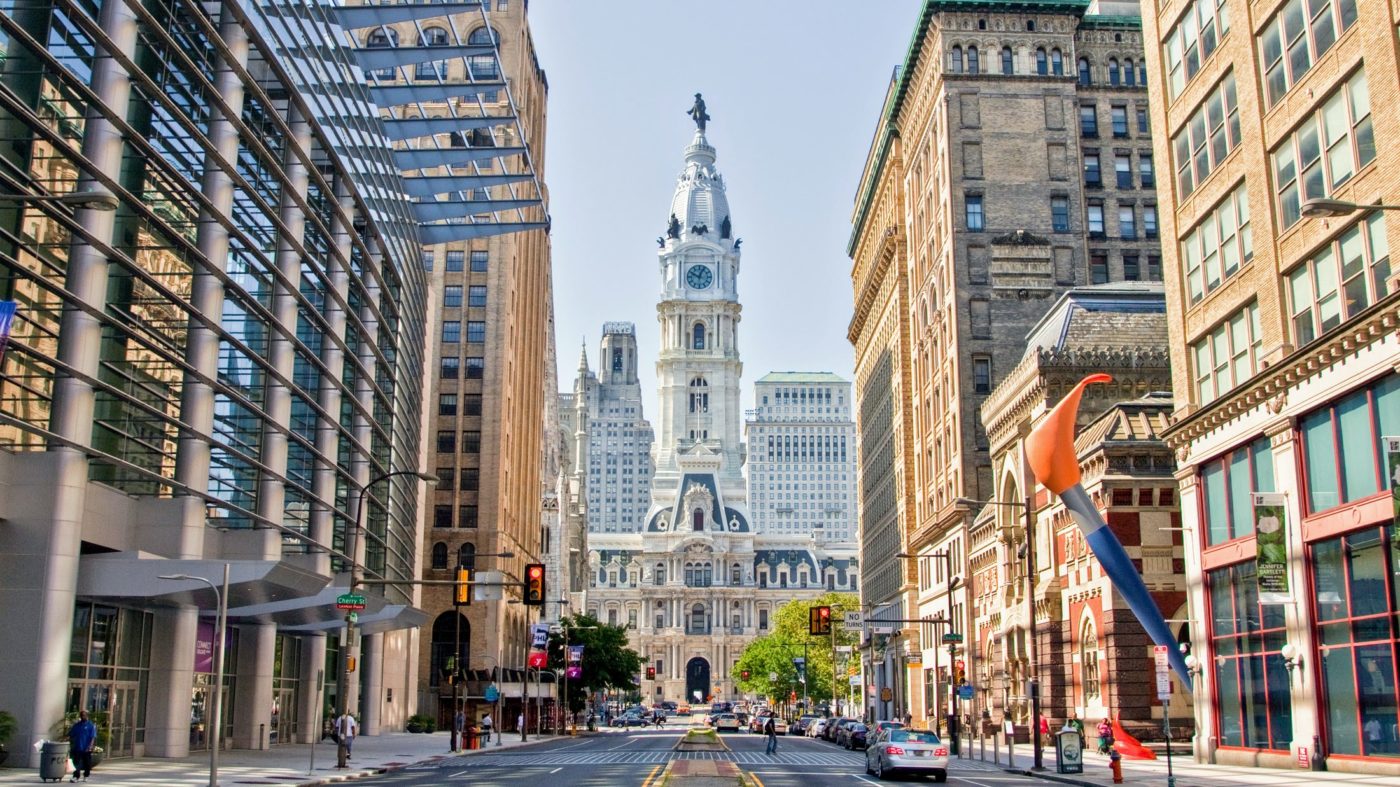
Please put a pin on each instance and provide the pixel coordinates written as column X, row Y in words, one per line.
column 636, row 757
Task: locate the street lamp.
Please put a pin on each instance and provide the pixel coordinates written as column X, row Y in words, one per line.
column 952, row 584
column 216, row 701
column 342, row 754
column 1323, row 208
column 94, row 198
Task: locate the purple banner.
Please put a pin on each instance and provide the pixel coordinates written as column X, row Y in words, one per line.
column 7, row 320
column 573, row 673
column 204, row 647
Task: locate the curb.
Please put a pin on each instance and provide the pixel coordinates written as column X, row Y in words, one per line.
column 1051, row 777
column 372, row 772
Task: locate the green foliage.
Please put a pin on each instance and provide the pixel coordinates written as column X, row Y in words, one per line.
column 7, row 727
column 423, row 720
column 774, row 653
column 608, row 662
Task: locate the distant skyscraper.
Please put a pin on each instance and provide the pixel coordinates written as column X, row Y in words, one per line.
column 802, row 456
column 619, row 438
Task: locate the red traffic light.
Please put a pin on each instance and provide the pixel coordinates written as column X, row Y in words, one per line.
column 534, row 584
column 651, row 673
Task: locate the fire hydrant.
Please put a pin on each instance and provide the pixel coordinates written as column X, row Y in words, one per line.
column 1115, row 764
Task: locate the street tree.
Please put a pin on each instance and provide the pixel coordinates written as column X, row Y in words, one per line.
column 608, row 663
column 775, row 652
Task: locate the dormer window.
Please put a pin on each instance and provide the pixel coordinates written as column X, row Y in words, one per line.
column 698, row 520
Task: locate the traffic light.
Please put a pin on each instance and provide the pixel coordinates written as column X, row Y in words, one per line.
column 744, row 675
column 819, row 621
column 959, row 673
column 462, row 590
column 651, row 673
column 349, row 663
column 534, row 584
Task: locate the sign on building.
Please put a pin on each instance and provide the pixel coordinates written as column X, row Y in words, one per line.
column 1271, row 547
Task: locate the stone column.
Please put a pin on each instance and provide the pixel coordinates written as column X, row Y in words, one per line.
column 168, row 699
column 252, row 704
column 311, row 700
column 373, row 665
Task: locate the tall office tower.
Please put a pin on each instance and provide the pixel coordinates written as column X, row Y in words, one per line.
column 985, row 197
column 217, row 364
column 802, row 456
column 1277, row 121
column 618, row 478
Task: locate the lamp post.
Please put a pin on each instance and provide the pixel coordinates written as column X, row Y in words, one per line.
column 1322, row 208
column 93, row 199
column 342, row 754
column 216, row 701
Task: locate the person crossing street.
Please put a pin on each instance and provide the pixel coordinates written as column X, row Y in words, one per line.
column 771, row 730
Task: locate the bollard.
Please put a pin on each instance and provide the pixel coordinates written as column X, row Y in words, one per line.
column 982, row 746
column 996, row 749
column 1011, row 749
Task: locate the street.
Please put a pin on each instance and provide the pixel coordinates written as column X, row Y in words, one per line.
column 615, row 758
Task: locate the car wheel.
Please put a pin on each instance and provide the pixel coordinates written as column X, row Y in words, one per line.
column 879, row 769
column 940, row 776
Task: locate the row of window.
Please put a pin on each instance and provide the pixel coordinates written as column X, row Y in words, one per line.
column 452, row 296
column 470, row 443
column 1211, row 133
column 1219, row 246
column 1229, row 355
column 1134, row 267
column 1122, row 170
column 452, row 368
column 456, row 260
column 1127, row 220
column 448, row 515
column 452, row 331
column 1118, row 120
column 1325, row 150
column 1192, row 41
column 466, row 553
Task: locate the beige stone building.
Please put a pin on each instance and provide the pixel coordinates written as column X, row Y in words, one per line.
column 1013, row 161
column 1283, row 321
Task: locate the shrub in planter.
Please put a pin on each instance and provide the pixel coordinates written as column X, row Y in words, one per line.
column 7, row 731
column 421, row 722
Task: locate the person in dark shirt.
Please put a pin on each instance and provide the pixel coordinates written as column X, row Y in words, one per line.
column 82, row 739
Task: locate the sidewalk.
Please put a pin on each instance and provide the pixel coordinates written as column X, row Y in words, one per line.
column 285, row 765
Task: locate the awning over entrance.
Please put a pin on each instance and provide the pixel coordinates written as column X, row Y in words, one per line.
column 136, row 575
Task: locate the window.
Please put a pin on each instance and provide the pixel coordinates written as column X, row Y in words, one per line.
column 1120, row 121
column 697, row 341
column 1114, row 77
column 1143, row 127
column 975, row 219
column 428, row 259
column 447, row 441
column 1154, row 267
column 1356, row 603
column 433, row 36
column 447, row 404
column 981, row 374
column 1059, row 214
column 1326, row 150
column 1145, row 172
column 467, row 516
column 763, row 618
column 1226, row 486
column 1089, row 659
column 973, row 67
column 1129, row 75
column 1093, row 176
column 454, row 261
column 1085, row 75
column 439, row 556
column 1296, row 37
column 1254, row 707
column 479, row 261
column 469, row 479
column 699, row 396
column 1123, row 170
column 1149, row 221
column 1008, row 61
column 1041, row 65
column 955, row 60
column 1132, row 269
column 1208, row 136
column 1341, row 442
column 451, row 366
column 476, row 296
column 451, row 331
column 483, row 36
column 1192, row 41
column 484, row 67
column 1096, row 218
column 1057, row 63
column 1127, row 222
column 1088, row 120
column 471, row 442
column 1216, row 248
column 471, row 404
column 1227, row 356
column 476, row 332
column 1340, row 281
column 379, row 39
column 452, row 295
column 1098, row 268
column 476, row 368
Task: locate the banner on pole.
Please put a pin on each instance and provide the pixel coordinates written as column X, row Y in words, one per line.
column 1271, row 547
column 573, row 673
column 540, row 632
column 575, row 654
column 538, row 659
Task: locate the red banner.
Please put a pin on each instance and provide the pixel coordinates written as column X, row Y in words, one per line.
column 538, row 659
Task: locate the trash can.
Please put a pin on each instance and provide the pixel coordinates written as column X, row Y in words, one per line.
column 1070, row 756
column 53, row 760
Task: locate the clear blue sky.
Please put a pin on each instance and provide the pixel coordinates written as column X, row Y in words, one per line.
column 794, row 90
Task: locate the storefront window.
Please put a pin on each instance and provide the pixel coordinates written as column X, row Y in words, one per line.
column 1356, row 604
column 1341, row 444
column 1253, row 706
column 1226, row 484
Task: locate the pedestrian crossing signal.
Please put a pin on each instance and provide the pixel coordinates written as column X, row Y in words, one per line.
column 651, row 673
column 462, row 590
column 534, row 584
column 819, row 621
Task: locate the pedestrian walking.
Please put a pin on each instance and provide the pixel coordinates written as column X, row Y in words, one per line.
column 346, row 727
column 771, row 730
column 520, row 723
column 82, row 739
column 908, row 719
column 1105, row 731
column 1078, row 727
column 459, row 728
column 486, row 728
column 1044, row 731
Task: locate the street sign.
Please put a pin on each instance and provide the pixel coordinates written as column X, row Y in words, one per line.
column 350, row 601
column 492, row 693
column 965, row 692
column 799, row 661
column 488, row 586
column 886, row 694
column 952, row 638
column 853, row 620
column 1164, row 680
column 843, row 648
column 881, row 628
column 772, row 676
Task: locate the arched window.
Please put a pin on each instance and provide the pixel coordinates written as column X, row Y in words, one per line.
column 697, row 520
column 451, row 640
column 483, row 36
column 1057, row 63
column 699, row 395
column 1008, row 61
column 440, row 556
column 736, row 574
column 1113, row 75
column 955, row 60
column 1041, row 66
column 972, row 66
column 433, row 36
column 466, row 556
column 1085, row 76
column 660, row 573
column 697, row 333
column 1089, row 659
column 697, row 619
column 383, row 38
column 1129, row 75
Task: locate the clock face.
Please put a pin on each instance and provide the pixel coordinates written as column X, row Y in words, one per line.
column 699, row 277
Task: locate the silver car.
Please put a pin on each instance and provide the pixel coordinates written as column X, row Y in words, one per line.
column 907, row 751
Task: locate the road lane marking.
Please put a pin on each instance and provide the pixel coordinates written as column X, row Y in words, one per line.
column 556, row 770
column 862, row 778
column 651, row 776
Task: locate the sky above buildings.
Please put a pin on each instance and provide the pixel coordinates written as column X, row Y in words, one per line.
column 793, row 90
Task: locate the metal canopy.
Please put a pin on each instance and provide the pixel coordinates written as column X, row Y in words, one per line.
column 429, row 185
column 373, row 58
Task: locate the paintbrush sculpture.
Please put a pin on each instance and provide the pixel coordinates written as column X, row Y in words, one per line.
column 1050, row 453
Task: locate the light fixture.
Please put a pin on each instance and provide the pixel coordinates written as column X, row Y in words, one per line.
column 1323, row 208
column 1193, row 665
column 1292, row 656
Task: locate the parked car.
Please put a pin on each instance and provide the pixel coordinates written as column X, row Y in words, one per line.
column 670, row 706
column 835, row 727
column 630, row 720
column 759, row 719
column 799, row 727
column 780, row 726
column 854, row 736
column 815, row 729
column 881, row 726
column 843, row 734
column 726, row 721
column 683, row 709
column 907, row 751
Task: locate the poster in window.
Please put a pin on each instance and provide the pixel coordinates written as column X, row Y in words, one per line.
column 1271, row 547
column 1392, row 474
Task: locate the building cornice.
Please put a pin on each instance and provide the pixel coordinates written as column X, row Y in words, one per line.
column 891, row 248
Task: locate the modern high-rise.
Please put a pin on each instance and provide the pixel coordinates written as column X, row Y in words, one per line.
column 618, row 437
column 218, row 364
column 1278, row 124
column 802, row 456
column 1013, row 160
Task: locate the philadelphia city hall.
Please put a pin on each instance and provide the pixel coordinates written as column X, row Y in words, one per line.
column 694, row 583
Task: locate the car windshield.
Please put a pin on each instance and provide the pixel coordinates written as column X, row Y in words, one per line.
column 912, row 736
column 857, row 728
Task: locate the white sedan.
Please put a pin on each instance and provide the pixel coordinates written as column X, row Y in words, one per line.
column 814, row 730
column 726, row 721
column 907, row 751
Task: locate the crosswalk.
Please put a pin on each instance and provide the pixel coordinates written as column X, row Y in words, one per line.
column 821, row 759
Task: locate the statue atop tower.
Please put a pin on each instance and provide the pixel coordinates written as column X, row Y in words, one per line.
column 697, row 113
